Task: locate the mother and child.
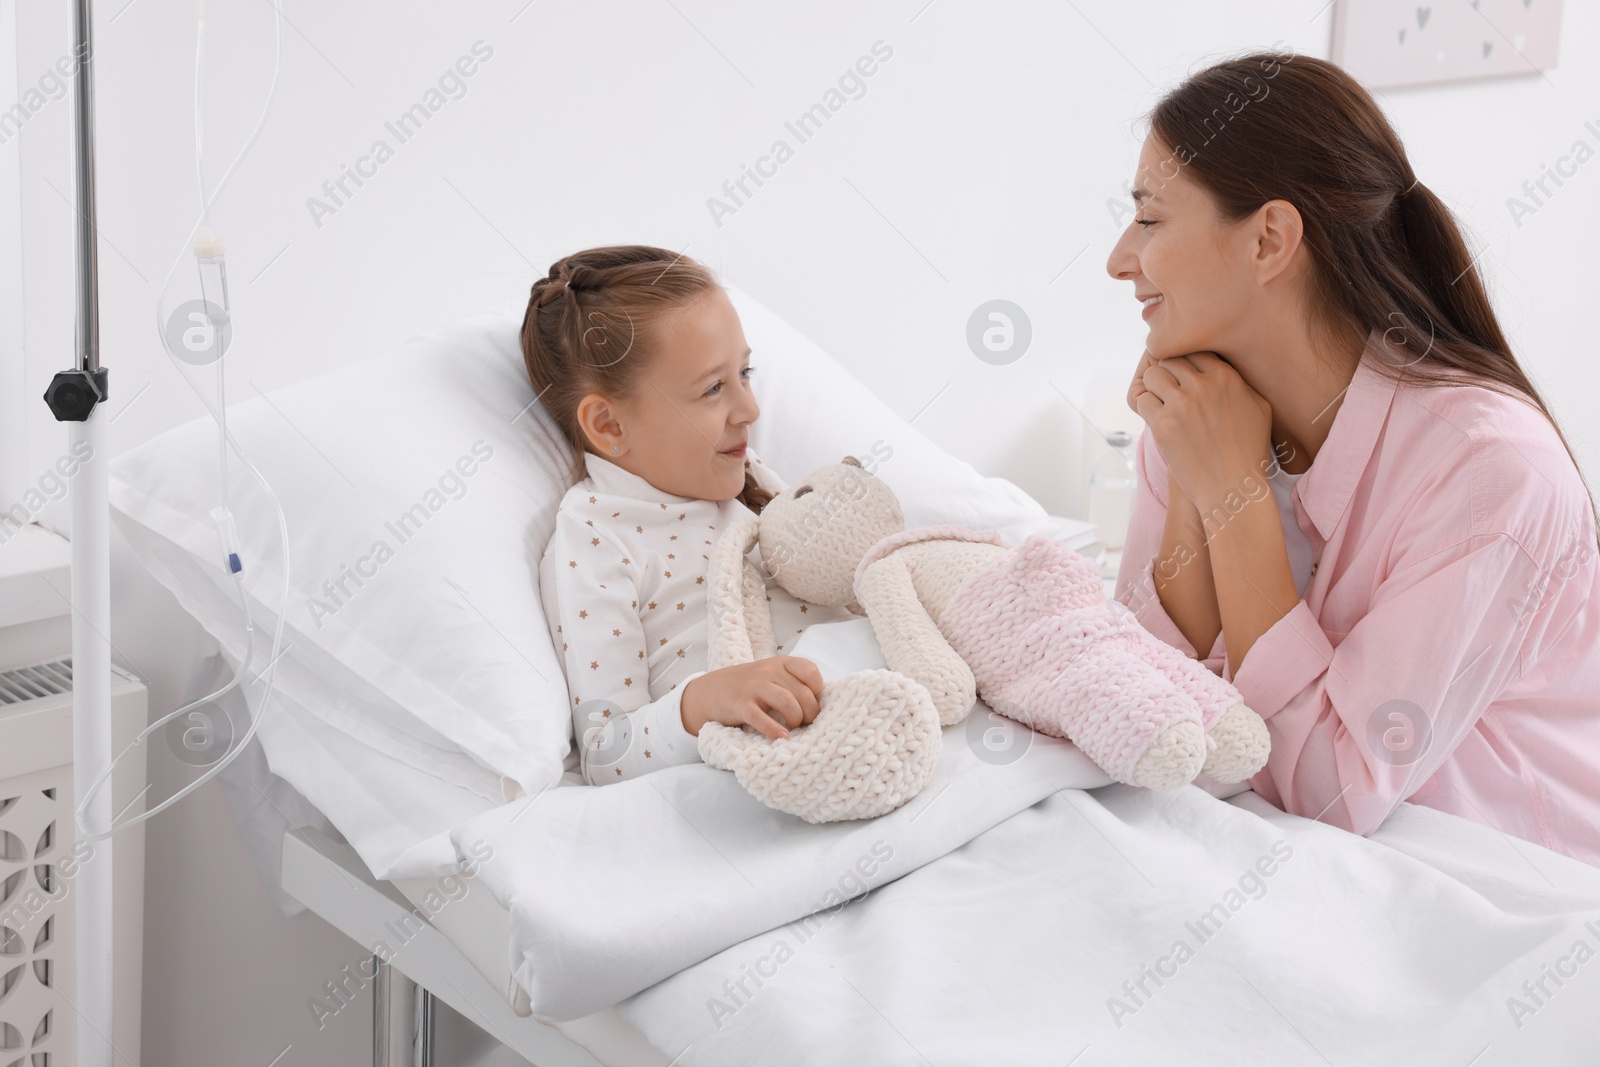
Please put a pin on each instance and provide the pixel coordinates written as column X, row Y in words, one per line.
column 1411, row 610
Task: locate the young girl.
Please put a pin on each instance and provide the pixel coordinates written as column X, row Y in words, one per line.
column 1420, row 624
column 639, row 357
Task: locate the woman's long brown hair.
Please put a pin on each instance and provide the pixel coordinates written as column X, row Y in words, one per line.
column 592, row 326
column 1387, row 253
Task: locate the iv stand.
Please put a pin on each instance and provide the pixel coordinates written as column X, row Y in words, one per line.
column 75, row 397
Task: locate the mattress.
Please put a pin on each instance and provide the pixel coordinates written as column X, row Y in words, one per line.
column 481, row 929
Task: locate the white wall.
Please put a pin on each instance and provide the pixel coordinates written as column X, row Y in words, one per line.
column 978, row 164
column 13, row 427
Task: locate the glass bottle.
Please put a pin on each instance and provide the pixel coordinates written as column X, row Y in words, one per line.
column 1111, row 488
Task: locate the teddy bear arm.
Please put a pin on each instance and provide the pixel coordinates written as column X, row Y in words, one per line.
column 912, row 642
column 757, row 616
column 732, row 612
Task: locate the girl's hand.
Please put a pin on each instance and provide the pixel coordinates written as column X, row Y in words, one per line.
column 766, row 694
column 1212, row 428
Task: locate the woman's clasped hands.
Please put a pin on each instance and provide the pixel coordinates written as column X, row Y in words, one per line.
column 1212, row 428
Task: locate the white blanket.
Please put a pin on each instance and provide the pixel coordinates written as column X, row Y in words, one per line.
column 613, row 888
column 1123, row 926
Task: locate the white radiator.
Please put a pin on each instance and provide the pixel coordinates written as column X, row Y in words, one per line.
column 40, row 855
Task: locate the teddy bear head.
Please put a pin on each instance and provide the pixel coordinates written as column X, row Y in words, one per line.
column 814, row 533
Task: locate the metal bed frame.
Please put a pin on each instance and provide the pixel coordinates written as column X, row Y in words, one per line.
column 330, row 879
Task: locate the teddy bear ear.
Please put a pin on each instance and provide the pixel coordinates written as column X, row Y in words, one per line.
column 851, row 460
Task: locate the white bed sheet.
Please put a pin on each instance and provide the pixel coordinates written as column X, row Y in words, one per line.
column 395, row 816
column 1399, row 948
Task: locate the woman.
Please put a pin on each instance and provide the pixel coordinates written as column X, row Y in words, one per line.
column 1350, row 492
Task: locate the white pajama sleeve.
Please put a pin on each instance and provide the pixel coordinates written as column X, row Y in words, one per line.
column 620, row 732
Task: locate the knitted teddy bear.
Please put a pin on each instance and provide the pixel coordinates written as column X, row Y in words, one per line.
column 1029, row 629
column 874, row 743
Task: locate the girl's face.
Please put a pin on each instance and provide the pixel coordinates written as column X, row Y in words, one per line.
column 686, row 428
column 1178, row 251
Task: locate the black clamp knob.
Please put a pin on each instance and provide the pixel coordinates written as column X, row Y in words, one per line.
column 73, row 394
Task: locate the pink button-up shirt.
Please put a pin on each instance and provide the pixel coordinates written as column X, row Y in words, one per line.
column 1447, row 648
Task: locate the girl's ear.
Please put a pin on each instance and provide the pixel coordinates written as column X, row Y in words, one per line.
column 598, row 420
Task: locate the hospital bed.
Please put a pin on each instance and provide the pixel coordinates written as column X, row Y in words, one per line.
column 1022, row 909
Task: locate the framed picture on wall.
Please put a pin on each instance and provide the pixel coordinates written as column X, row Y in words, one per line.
column 1383, row 43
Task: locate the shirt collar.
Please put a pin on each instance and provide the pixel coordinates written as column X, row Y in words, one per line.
column 607, row 477
column 1331, row 480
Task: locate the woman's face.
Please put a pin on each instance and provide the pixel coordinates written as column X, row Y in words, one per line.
column 686, row 428
column 1177, row 251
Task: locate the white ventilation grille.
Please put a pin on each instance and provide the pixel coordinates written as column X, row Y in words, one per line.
column 32, row 914
column 31, row 683
column 39, row 859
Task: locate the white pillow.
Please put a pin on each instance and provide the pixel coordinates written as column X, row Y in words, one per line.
column 814, row 411
column 441, row 658
column 440, row 655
